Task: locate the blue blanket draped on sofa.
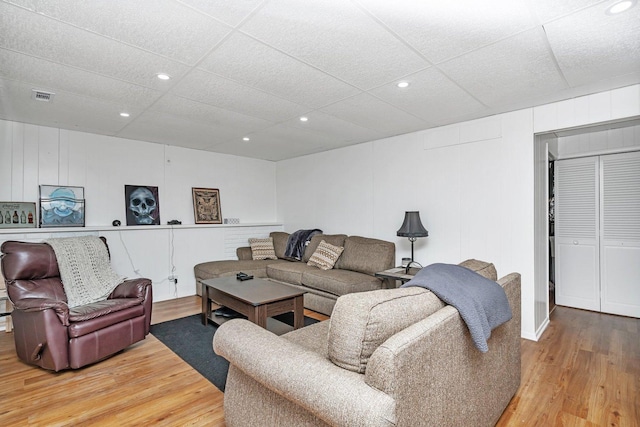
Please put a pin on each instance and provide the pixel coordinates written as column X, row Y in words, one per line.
column 482, row 303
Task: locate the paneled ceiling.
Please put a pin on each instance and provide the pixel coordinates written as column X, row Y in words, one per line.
column 252, row 68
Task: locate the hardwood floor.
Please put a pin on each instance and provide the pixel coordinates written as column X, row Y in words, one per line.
column 585, row 371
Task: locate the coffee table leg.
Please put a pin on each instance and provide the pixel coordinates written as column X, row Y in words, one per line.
column 298, row 312
column 206, row 305
column 258, row 315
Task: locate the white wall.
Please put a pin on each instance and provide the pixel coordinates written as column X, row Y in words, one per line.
column 599, row 142
column 32, row 155
column 473, row 183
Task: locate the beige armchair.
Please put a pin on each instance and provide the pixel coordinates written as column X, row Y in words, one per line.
column 396, row 357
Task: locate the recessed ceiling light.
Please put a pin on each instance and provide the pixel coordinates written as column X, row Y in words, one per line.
column 246, row 138
column 304, row 119
column 620, row 7
column 163, row 76
column 403, row 84
column 125, row 114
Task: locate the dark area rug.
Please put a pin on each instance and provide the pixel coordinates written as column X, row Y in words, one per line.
column 192, row 341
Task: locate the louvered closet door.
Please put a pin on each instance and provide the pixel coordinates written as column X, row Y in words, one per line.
column 576, row 229
column 620, row 235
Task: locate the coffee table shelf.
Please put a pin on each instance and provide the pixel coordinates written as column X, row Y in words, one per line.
column 257, row 299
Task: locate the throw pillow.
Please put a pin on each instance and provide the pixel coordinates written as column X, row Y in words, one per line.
column 325, row 256
column 262, row 248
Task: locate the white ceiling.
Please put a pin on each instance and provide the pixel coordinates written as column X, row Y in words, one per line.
column 251, row 68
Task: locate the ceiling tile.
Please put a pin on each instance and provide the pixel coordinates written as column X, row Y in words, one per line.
column 444, row 29
column 276, row 143
column 194, row 111
column 43, row 37
column 372, row 113
column 47, row 75
column 340, row 131
column 584, row 55
column 339, row 39
column 157, row 26
column 168, row 129
column 255, row 64
column 546, row 10
column 430, row 96
column 231, row 12
column 507, row 71
column 220, row 92
column 66, row 111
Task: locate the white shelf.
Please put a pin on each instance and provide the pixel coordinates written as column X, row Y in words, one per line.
column 130, row 227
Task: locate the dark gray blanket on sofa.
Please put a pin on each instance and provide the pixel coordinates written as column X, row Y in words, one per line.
column 482, row 303
column 297, row 242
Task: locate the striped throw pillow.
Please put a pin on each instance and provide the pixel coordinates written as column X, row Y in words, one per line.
column 262, row 248
column 325, row 256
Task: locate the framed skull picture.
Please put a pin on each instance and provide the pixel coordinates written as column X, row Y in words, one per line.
column 143, row 205
column 206, row 205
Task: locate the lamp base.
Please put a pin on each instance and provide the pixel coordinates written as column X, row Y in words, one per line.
column 406, row 269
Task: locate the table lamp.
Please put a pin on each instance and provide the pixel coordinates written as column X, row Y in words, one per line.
column 412, row 228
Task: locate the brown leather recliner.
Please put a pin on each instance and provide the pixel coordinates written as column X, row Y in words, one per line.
column 53, row 336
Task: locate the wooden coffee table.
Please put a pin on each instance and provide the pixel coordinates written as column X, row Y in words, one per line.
column 258, row 299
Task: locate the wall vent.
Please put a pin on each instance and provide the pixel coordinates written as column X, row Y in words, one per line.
column 40, row 95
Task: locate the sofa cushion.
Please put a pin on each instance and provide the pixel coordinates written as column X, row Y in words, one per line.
column 361, row 322
column 485, row 269
column 340, row 282
column 262, row 248
column 333, row 239
column 212, row 269
column 325, row 256
column 99, row 315
column 280, row 239
column 366, row 255
column 288, row 271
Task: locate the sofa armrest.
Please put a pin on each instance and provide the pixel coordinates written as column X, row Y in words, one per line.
column 435, row 372
column 244, row 253
column 132, row 288
column 41, row 304
column 337, row 396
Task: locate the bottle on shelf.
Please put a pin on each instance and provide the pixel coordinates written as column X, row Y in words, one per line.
column 16, row 219
column 30, row 218
column 1, row 218
column 23, row 218
column 7, row 218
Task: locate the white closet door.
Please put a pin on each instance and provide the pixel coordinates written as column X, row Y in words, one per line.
column 576, row 230
column 620, row 235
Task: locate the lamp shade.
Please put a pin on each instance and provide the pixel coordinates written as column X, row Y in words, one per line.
column 412, row 226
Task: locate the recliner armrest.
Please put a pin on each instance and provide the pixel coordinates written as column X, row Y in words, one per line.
column 132, row 288
column 40, row 304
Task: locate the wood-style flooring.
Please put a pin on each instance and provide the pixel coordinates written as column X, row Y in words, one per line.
column 585, row 371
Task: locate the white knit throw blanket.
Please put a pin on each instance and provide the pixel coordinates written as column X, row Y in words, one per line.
column 85, row 269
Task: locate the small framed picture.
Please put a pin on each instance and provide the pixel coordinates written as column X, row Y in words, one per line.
column 17, row 215
column 206, row 205
column 61, row 206
column 142, row 204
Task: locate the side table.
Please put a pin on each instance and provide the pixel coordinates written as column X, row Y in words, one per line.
column 6, row 310
column 398, row 273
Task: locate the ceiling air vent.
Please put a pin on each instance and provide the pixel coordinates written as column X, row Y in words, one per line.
column 40, row 95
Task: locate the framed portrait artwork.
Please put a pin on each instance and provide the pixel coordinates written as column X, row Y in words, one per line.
column 142, row 205
column 61, row 206
column 206, row 205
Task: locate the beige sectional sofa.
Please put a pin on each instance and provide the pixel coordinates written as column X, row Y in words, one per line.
column 391, row 357
column 353, row 272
